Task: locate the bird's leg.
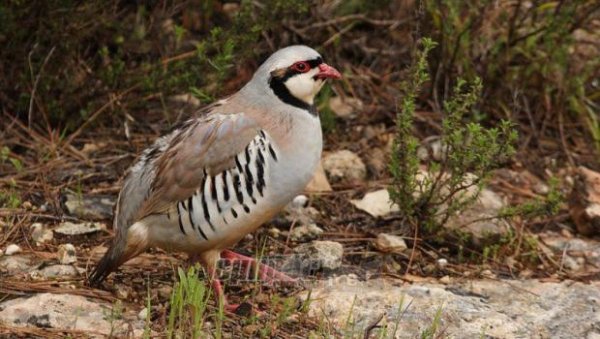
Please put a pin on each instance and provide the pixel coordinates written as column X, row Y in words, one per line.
column 266, row 273
column 210, row 267
column 219, row 293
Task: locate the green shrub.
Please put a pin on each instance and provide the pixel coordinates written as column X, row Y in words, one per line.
column 63, row 60
column 469, row 153
column 529, row 56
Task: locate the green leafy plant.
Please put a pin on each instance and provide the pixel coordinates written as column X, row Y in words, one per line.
column 531, row 56
column 469, row 153
column 189, row 301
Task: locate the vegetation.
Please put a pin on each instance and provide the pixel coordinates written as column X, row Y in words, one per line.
column 469, row 153
column 501, row 84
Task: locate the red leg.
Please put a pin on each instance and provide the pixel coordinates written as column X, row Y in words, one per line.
column 265, row 272
column 219, row 293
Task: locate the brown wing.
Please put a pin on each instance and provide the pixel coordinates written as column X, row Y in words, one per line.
column 172, row 169
column 205, row 146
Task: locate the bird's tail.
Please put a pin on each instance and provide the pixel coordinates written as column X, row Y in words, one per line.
column 111, row 260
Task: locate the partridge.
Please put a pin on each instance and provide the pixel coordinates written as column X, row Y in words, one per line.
column 218, row 176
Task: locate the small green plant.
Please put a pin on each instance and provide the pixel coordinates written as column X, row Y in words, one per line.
column 469, row 153
column 528, row 55
column 189, row 301
column 432, row 330
column 6, row 157
column 113, row 316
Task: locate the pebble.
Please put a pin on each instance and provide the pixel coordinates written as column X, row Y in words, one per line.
column 12, row 249
column 390, row 243
column 377, row 203
column 445, row 280
column 442, row 263
column 300, row 201
column 143, row 314
column 314, row 256
column 41, row 234
column 164, row 292
column 305, row 232
column 274, row 232
column 344, row 165
column 66, row 254
column 488, row 274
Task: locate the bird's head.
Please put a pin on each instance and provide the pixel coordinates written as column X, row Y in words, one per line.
column 296, row 74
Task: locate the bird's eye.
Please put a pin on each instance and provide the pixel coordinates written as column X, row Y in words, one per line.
column 301, row 66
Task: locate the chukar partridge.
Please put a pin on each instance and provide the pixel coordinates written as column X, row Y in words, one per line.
column 219, row 176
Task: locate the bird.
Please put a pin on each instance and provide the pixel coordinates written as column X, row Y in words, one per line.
column 225, row 171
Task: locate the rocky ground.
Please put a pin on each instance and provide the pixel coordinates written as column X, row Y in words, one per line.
column 357, row 283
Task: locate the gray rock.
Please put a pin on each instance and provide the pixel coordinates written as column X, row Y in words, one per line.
column 344, row 165
column 40, row 234
column 315, row 256
column 390, row 243
column 478, row 220
column 70, row 228
column 95, row 207
column 57, row 271
column 66, row 311
column 305, row 232
column 15, row 264
column 587, row 249
column 475, row 309
column 66, row 254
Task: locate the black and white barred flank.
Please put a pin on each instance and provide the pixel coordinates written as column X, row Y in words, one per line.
column 223, row 197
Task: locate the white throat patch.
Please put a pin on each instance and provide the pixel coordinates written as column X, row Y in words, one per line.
column 304, row 86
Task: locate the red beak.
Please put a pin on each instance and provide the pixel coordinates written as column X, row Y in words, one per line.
column 326, row 71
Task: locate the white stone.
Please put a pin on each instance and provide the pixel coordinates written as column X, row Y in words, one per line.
column 66, row 254
column 377, row 203
column 40, row 234
column 442, row 263
column 300, row 201
column 12, row 249
column 69, row 228
column 390, row 243
column 143, row 314
column 344, row 165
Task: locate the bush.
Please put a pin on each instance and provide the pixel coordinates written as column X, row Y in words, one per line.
column 469, row 153
column 537, row 60
column 61, row 61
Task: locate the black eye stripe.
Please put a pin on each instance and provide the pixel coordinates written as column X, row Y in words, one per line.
column 314, row 62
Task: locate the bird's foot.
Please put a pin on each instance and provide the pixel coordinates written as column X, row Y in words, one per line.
column 244, row 309
column 265, row 272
